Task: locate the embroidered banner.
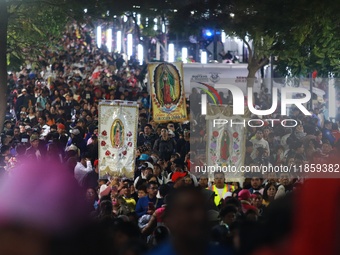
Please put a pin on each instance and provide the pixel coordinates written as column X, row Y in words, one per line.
column 167, row 92
column 225, row 143
column 118, row 123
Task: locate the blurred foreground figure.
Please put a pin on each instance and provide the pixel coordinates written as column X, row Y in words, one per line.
column 186, row 217
column 315, row 228
column 38, row 206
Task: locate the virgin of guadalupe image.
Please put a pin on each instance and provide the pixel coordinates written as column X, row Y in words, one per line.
column 225, row 144
column 117, row 134
column 167, row 85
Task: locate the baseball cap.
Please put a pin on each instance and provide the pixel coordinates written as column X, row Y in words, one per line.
column 144, row 157
column 34, row 138
column 72, row 147
column 75, row 131
column 149, row 165
column 177, row 175
column 61, row 126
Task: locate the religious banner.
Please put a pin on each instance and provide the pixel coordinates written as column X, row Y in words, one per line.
column 226, row 138
column 118, row 123
column 167, row 92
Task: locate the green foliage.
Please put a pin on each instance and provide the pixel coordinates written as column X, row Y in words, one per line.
column 309, row 37
column 33, row 26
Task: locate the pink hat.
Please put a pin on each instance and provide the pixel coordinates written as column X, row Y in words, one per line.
column 244, row 194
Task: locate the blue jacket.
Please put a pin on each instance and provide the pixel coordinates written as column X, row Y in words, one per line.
column 327, row 134
column 143, row 204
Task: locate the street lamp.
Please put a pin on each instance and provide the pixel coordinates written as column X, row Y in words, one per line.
column 155, row 26
column 138, row 19
column 129, row 45
column 140, row 53
column 109, row 39
column 119, row 41
column 223, row 36
column 99, row 37
column 204, row 57
column 185, row 55
column 171, row 53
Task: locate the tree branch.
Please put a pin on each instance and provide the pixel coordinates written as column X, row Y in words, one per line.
column 249, row 49
column 263, row 61
column 38, row 2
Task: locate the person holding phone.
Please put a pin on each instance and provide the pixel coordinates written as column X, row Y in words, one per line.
column 149, row 203
column 111, row 187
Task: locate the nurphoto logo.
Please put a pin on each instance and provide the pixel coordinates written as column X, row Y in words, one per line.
column 239, row 102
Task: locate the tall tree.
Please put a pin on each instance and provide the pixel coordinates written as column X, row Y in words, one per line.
column 28, row 35
column 26, row 28
column 3, row 61
column 309, row 38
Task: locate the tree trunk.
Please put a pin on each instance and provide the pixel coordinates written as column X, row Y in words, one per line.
column 3, row 61
column 252, row 69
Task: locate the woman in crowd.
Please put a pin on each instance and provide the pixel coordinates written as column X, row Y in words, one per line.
column 269, row 193
column 32, row 116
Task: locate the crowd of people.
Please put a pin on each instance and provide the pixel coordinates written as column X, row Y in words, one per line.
column 52, row 119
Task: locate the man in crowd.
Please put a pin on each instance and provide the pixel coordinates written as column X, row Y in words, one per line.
column 203, row 181
column 34, row 152
column 259, row 142
column 83, row 167
column 221, row 189
column 327, row 132
column 149, row 203
column 147, row 137
column 165, row 145
column 256, row 184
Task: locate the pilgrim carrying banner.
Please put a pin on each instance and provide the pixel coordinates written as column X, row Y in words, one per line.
column 167, row 92
column 118, row 123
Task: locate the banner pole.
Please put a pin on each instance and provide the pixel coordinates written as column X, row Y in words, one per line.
column 150, row 103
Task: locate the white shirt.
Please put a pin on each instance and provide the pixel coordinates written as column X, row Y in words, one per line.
column 80, row 171
column 220, row 192
column 259, row 143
